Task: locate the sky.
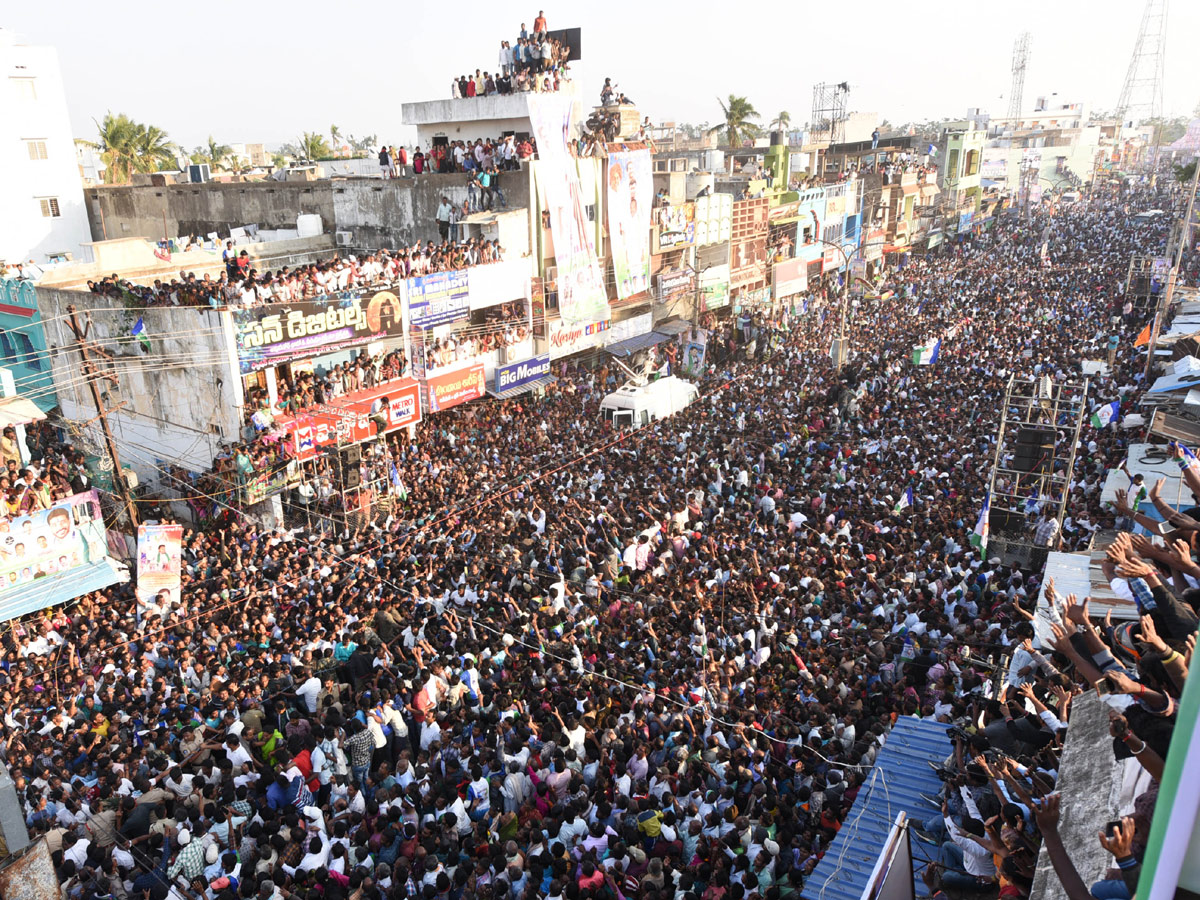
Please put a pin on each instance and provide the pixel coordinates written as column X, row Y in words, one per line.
column 259, row 72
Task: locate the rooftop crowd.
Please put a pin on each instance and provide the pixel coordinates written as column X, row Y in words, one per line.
column 659, row 664
column 535, row 62
column 242, row 285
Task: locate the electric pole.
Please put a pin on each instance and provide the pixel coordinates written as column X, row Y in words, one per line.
column 91, row 374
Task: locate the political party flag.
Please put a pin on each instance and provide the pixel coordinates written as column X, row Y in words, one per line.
column 398, row 483
column 906, row 500
column 1189, row 458
column 139, row 332
column 1109, row 412
column 979, row 538
column 926, row 354
column 1143, row 337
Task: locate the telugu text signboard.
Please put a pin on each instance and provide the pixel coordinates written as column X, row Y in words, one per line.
column 354, row 417
column 267, row 335
column 452, row 388
column 674, row 227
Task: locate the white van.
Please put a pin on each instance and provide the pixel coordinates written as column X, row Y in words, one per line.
column 635, row 405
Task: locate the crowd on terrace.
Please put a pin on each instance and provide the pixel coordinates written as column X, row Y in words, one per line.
column 535, row 62
column 242, row 285
column 570, row 664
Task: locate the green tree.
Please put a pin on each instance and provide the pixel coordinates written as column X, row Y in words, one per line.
column 279, row 161
column 127, row 146
column 335, row 135
column 1167, row 131
column 782, row 121
column 215, row 155
column 1185, row 173
column 738, row 126
column 311, row 145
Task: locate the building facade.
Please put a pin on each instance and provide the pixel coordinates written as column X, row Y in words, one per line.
column 40, row 189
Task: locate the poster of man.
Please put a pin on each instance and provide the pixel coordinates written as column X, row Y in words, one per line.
column 159, row 565
column 37, row 545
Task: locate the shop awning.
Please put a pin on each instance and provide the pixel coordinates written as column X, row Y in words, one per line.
column 522, row 389
column 18, row 411
column 679, row 326
column 62, row 587
column 632, row 345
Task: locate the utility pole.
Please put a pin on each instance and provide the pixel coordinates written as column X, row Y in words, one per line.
column 91, row 374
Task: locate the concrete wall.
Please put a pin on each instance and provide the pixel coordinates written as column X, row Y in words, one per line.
column 183, row 398
column 399, row 212
column 138, row 211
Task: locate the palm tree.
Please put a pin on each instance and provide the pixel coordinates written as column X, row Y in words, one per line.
column 335, row 135
column 312, row 146
column 737, row 125
column 218, row 154
column 782, row 121
column 117, row 144
column 155, row 151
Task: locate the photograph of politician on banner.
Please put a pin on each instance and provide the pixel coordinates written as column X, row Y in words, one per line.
column 630, row 195
column 581, row 293
column 159, row 549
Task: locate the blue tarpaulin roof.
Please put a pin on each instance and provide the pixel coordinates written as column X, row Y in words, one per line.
column 55, row 589
column 632, row 345
column 901, row 774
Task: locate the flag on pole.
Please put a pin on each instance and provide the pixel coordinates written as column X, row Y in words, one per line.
column 1143, row 337
column 1109, row 412
column 979, row 538
column 139, row 332
column 906, row 500
column 398, row 483
column 1189, row 458
column 926, row 354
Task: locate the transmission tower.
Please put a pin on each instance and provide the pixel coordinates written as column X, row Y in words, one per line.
column 1020, row 60
column 1142, row 93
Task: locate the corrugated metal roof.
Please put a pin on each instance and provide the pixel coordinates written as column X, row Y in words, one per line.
column 901, row 774
column 55, row 589
column 632, row 345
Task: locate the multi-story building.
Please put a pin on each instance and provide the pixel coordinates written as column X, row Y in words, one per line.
column 40, row 191
column 959, row 160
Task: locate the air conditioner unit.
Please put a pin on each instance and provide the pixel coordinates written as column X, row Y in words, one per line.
column 344, row 238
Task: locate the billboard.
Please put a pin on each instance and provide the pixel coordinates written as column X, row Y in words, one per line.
column 438, row 298
column 452, row 388
column 791, row 277
column 581, row 292
column 674, row 227
column 630, row 195
column 566, row 339
column 519, row 374
column 158, row 563
column 672, row 282
column 627, row 328
column 354, row 417
column 267, row 335
column 51, row 541
column 994, row 168
column 714, row 285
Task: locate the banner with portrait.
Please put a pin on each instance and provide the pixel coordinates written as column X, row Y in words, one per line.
column 159, row 549
column 630, row 195
column 50, row 541
column 581, row 293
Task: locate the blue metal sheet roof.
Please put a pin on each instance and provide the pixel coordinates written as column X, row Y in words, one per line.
column 55, row 589
column 632, row 345
column 901, row 774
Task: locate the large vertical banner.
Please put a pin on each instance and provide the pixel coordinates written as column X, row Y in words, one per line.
column 630, row 194
column 581, row 294
column 159, row 550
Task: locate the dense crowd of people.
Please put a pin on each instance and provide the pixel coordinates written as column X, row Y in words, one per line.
column 535, row 62
column 573, row 663
column 241, row 285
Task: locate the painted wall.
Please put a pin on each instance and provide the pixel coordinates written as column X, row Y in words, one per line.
column 23, row 343
column 183, row 397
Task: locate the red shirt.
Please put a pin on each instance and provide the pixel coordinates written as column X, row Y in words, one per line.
column 539, row 24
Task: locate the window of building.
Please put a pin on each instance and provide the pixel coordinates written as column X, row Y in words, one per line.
column 37, row 149
column 49, row 207
column 6, row 349
column 26, row 351
column 25, row 88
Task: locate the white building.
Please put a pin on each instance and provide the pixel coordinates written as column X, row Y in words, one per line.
column 468, row 118
column 40, row 190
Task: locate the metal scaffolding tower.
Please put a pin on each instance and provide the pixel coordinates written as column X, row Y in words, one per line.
column 1142, row 93
column 1020, row 60
column 829, row 110
column 1033, row 465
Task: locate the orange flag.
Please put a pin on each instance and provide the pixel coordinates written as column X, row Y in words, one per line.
column 1143, row 338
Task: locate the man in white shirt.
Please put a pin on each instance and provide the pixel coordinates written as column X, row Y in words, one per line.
column 309, row 689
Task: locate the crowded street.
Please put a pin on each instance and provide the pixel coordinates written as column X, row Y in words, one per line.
column 584, row 662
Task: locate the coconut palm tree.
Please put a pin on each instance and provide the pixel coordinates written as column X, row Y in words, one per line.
column 118, row 146
column 155, row 151
column 335, row 137
column 737, row 125
column 782, row 121
column 216, row 155
column 311, row 145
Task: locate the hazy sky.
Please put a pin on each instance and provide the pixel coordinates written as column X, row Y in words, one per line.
column 267, row 71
